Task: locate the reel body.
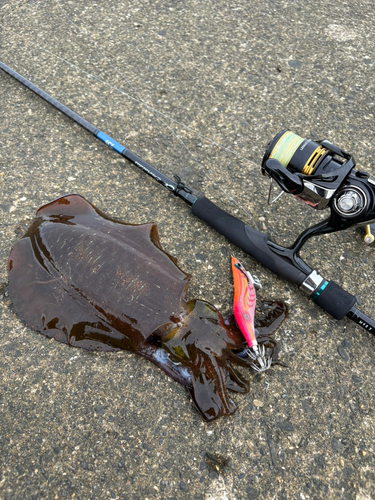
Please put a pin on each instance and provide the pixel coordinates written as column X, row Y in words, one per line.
column 321, row 175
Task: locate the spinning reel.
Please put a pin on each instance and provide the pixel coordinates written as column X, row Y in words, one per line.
column 322, row 175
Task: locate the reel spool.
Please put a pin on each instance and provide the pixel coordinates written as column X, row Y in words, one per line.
column 298, row 154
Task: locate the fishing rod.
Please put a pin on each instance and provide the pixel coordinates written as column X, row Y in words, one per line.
column 320, row 174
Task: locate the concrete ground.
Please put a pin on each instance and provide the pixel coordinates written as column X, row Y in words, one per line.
column 197, row 89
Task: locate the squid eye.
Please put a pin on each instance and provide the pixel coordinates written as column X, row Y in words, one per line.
column 173, row 360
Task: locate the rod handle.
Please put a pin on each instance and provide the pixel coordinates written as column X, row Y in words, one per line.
column 330, row 296
column 250, row 240
column 334, row 300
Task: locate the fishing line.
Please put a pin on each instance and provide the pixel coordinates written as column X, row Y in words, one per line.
column 156, row 112
column 153, row 110
column 201, row 166
column 140, row 101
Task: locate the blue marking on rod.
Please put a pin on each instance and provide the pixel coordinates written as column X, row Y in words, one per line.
column 110, row 142
column 316, row 294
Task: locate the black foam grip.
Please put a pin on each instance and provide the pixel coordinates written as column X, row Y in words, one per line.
column 335, row 301
column 250, row 240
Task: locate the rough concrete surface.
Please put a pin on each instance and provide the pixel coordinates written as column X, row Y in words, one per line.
column 197, row 89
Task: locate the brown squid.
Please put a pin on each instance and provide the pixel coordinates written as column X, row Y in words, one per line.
column 92, row 282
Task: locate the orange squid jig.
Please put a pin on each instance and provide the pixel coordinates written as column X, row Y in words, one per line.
column 244, row 303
